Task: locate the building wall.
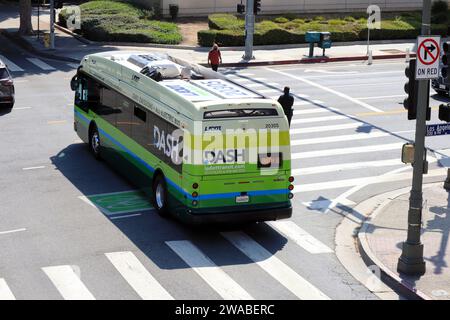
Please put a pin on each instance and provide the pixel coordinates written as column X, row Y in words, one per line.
column 205, row 7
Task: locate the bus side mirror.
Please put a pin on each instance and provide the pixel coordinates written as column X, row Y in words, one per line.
column 74, row 83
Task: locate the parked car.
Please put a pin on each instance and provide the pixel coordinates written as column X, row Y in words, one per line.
column 6, row 87
column 441, row 87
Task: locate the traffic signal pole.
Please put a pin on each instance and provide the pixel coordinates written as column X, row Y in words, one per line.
column 249, row 30
column 52, row 24
column 411, row 261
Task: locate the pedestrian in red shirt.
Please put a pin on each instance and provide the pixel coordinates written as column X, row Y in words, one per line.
column 214, row 57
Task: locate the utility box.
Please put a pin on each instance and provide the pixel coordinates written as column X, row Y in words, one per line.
column 312, row 37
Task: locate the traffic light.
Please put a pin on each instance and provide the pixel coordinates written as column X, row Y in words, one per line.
column 256, row 6
column 241, row 8
column 412, row 89
column 58, row 4
column 445, row 62
column 444, row 112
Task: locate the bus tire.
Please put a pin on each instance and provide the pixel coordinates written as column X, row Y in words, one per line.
column 94, row 142
column 159, row 195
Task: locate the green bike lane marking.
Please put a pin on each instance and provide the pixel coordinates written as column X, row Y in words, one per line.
column 119, row 202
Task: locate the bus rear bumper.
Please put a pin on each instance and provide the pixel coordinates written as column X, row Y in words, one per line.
column 238, row 217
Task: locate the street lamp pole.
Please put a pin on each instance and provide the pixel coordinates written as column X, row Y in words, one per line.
column 411, row 261
column 249, row 30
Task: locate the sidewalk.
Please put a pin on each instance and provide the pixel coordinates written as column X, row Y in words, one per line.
column 382, row 235
column 70, row 49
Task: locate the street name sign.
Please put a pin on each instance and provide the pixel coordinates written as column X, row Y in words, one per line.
column 428, row 54
column 438, row 129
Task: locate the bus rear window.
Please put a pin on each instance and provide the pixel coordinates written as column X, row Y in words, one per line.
column 240, row 113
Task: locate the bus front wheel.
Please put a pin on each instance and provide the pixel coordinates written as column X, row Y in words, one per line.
column 160, row 195
column 94, row 142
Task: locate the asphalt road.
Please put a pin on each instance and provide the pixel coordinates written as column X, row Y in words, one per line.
column 347, row 132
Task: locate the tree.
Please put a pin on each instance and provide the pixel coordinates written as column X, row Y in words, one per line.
column 26, row 28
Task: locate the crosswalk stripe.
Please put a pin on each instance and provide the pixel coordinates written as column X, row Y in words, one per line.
column 301, row 103
column 335, row 184
column 41, row 64
column 132, row 270
column 329, row 128
column 216, row 278
column 300, row 237
column 319, row 119
column 68, row 283
column 11, row 65
column 344, row 151
column 309, row 111
column 350, row 137
column 299, row 286
column 254, row 85
column 5, row 292
column 345, row 166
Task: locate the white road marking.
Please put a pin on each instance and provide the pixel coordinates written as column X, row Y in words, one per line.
column 11, row 65
column 128, row 216
column 322, row 205
column 350, row 137
column 359, row 181
column 22, row 108
column 5, row 292
column 381, row 97
column 301, row 103
column 365, row 84
column 132, row 270
column 269, row 91
column 339, row 94
column 299, row 286
column 300, row 237
column 343, row 151
column 13, row 231
column 328, row 128
column 239, row 79
column 346, row 166
column 320, row 119
column 68, row 283
column 310, row 111
column 216, row 278
column 41, row 64
column 255, row 85
column 33, row 168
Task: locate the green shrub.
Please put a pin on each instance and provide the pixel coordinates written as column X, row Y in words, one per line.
column 225, row 22
column 122, row 22
column 281, row 20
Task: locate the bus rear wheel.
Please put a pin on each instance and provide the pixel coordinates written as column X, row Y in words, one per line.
column 94, row 142
column 160, row 199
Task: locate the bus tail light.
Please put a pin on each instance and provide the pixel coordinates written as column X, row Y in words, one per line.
column 195, row 185
column 291, row 179
column 290, row 195
column 195, row 194
column 291, row 187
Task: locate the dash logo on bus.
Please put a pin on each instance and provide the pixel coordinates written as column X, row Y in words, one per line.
column 213, row 128
column 224, row 156
column 170, row 144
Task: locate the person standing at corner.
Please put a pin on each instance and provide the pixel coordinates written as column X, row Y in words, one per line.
column 214, row 57
column 287, row 101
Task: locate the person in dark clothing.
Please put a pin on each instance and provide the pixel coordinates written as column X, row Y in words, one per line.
column 287, row 101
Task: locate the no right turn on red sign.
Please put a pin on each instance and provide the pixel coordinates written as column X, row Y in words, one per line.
column 428, row 54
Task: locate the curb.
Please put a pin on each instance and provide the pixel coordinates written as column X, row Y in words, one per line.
column 24, row 44
column 370, row 258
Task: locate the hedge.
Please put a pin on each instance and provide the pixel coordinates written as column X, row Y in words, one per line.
column 228, row 30
column 115, row 21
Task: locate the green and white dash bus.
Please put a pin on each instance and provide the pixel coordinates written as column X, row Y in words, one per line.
column 202, row 147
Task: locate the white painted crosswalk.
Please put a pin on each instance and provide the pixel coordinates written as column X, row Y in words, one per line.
column 5, row 291
column 41, row 64
column 223, row 284
column 132, row 270
column 11, row 65
column 31, row 64
column 298, row 285
column 68, row 283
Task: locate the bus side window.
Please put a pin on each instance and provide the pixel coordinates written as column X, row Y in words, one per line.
column 107, row 106
column 139, row 129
